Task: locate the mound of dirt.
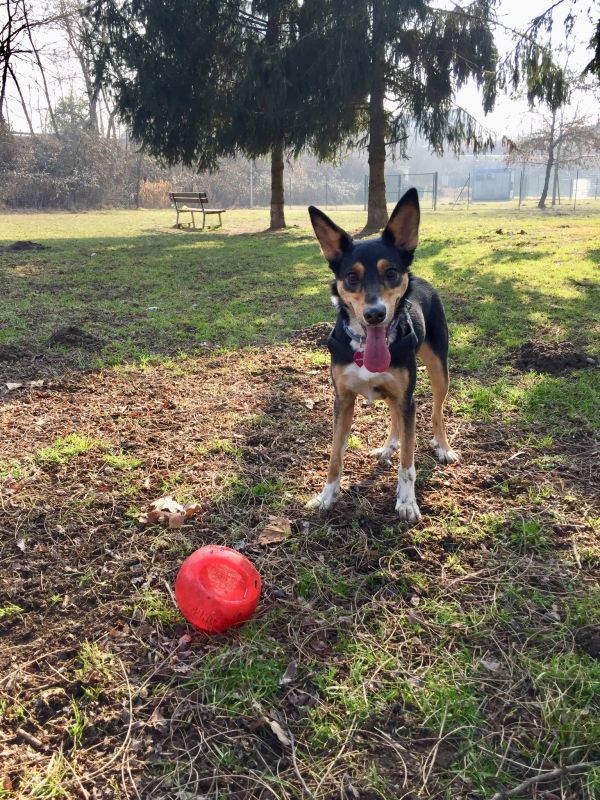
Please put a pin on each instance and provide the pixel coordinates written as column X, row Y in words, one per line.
column 313, row 337
column 10, row 352
column 554, row 358
column 26, row 245
column 588, row 640
column 72, row 336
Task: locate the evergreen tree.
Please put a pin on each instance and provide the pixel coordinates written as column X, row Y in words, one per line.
column 197, row 80
column 414, row 58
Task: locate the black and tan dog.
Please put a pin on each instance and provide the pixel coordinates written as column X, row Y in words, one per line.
column 385, row 317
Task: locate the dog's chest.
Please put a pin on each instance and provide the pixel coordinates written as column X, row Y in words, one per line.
column 371, row 385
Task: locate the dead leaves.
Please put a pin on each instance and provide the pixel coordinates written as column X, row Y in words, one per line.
column 13, row 386
column 167, row 509
column 290, row 673
column 277, row 529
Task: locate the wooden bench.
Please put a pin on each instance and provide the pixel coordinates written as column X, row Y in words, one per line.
column 193, row 203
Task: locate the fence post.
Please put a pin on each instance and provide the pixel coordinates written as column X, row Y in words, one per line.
column 575, row 190
column 399, row 185
column 435, row 190
column 521, row 182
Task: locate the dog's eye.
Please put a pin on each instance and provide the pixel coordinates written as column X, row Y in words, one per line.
column 352, row 279
column 392, row 274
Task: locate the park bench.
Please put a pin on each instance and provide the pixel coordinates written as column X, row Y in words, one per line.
column 193, row 203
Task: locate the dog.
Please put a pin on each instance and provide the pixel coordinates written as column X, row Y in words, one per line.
column 386, row 316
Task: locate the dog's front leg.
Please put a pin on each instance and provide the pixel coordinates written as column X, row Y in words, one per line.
column 406, row 502
column 343, row 411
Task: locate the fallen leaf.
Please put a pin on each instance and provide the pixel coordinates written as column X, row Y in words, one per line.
column 21, row 545
column 12, row 386
column 167, row 509
column 491, row 666
column 290, row 673
column 310, row 404
column 279, row 732
column 176, row 520
column 276, row 530
column 157, row 721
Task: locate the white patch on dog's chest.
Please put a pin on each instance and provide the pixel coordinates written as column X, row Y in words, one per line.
column 366, row 383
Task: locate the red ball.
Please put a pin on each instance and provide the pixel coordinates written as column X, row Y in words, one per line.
column 217, row 588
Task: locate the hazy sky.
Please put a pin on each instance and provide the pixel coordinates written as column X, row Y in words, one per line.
column 510, row 117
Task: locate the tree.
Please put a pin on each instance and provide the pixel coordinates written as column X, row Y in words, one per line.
column 75, row 25
column 230, row 77
column 415, row 57
column 560, row 142
column 17, row 44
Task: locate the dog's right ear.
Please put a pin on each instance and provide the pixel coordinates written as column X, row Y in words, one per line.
column 333, row 240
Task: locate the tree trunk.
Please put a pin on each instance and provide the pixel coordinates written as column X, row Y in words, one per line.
column 23, row 103
column 277, row 198
column 377, row 214
column 555, row 185
column 549, row 163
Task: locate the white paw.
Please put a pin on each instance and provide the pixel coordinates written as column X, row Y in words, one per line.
column 326, row 498
column 406, row 502
column 384, row 454
column 408, row 511
column 444, row 456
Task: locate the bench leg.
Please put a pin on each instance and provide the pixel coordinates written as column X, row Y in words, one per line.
column 220, row 220
column 193, row 221
column 177, row 225
column 203, row 220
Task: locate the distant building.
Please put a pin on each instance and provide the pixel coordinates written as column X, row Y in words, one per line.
column 492, row 183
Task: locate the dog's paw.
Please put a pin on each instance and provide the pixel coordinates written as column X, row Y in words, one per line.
column 384, row 454
column 444, row 456
column 408, row 511
column 326, row 498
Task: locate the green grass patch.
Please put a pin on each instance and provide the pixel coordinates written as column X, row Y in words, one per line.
column 65, row 448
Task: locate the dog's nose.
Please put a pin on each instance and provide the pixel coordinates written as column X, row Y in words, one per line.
column 374, row 315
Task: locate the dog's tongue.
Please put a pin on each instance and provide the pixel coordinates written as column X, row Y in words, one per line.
column 377, row 355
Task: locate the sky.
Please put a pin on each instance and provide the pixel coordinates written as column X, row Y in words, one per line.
column 510, row 117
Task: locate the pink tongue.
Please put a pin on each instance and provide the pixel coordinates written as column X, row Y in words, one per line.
column 377, row 355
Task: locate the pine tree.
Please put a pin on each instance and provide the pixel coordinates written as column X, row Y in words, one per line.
column 415, row 58
column 197, row 80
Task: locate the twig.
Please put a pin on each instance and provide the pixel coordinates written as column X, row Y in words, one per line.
column 30, row 739
column 295, row 764
column 575, row 551
column 543, row 777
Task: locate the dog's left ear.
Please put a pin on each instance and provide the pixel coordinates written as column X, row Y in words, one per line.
column 402, row 230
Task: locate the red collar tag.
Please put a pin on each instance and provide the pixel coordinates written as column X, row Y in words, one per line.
column 359, row 359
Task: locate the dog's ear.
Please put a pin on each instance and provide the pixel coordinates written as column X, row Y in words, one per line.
column 402, row 230
column 333, row 240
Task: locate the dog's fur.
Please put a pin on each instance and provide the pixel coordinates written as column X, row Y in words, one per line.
column 370, row 277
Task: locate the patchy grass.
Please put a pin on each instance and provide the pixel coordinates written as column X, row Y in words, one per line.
column 63, row 449
column 451, row 660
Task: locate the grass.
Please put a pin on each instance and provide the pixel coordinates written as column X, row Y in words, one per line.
column 454, row 659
